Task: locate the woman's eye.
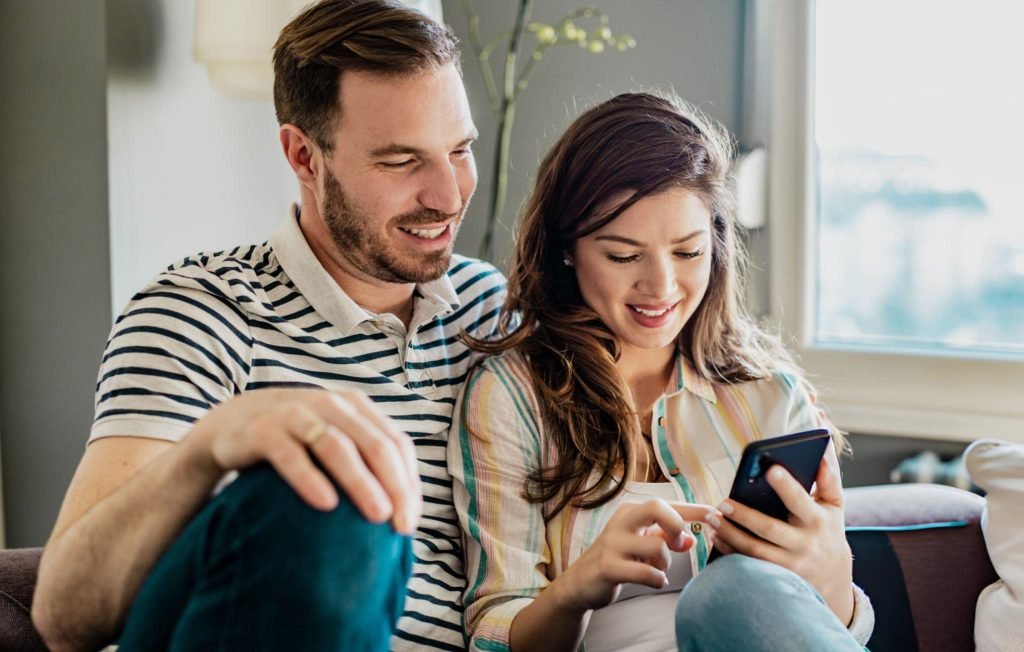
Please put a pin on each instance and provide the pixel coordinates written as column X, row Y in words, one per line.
column 622, row 259
column 690, row 254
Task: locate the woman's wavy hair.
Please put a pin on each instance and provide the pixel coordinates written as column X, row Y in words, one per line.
column 634, row 145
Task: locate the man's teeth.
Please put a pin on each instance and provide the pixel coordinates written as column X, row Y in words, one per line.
column 429, row 234
column 651, row 313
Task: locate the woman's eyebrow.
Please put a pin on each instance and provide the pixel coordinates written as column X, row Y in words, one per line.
column 636, row 243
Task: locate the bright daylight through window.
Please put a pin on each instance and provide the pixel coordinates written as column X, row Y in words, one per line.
column 920, row 185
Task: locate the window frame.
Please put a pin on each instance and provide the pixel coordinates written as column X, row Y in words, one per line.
column 933, row 396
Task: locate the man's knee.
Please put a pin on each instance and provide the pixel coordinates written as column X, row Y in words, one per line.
column 268, row 518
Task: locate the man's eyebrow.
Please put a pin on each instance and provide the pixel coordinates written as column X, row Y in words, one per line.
column 636, row 243
column 395, row 149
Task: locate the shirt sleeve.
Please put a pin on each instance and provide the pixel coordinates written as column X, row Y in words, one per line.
column 805, row 413
column 179, row 348
column 495, row 446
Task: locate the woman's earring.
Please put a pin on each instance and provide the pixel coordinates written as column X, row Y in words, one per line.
column 567, row 262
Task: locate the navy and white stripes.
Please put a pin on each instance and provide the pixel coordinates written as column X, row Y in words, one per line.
column 215, row 325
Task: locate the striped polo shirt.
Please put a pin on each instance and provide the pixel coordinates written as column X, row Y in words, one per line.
column 214, row 325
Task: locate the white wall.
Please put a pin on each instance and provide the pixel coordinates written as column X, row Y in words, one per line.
column 190, row 169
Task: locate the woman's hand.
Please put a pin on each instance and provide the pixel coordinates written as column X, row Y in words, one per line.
column 812, row 543
column 634, row 547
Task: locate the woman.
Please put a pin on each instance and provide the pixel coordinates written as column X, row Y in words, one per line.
column 588, row 453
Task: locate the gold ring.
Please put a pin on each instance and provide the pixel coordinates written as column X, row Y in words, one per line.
column 314, row 433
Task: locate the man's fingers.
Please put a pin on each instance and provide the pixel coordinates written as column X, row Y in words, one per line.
column 382, row 457
column 293, row 464
column 338, row 453
column 405, row 445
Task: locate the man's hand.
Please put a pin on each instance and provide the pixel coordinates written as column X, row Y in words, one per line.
column 359, row 446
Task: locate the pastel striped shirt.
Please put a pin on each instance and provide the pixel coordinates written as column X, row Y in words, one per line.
column 215, row 325
column 512, row 551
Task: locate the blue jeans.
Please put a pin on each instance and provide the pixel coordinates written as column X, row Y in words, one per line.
column 742, row 603
column 258, row 569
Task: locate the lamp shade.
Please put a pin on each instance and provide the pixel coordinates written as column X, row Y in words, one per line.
column 235, row 40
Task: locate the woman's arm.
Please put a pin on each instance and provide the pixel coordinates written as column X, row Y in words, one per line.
column 634, row 547
column 496, row 444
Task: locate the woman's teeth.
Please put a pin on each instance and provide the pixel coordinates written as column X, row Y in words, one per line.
column 651, row 313
column 429, row 234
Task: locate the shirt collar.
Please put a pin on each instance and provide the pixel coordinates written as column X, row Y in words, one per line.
column 688, row 379
column 329, row 300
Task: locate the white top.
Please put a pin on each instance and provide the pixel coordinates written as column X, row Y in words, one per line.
column 641, row 619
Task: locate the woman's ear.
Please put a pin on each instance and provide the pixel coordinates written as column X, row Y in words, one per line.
column 304, row 157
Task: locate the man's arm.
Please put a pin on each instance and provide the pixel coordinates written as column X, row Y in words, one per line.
column 130, row 496
column 114, row 524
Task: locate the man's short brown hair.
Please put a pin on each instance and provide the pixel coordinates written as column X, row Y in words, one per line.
column 332, row 36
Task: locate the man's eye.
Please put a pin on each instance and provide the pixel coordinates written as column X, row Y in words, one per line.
column 463, row 153
column 396, row 165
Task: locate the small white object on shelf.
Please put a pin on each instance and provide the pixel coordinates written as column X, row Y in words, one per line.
column 752, row 188
column 235, row 40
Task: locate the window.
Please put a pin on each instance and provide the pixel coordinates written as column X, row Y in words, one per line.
column 920, row 243
column 897, row 215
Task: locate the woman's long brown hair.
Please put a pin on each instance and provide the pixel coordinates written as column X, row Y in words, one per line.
column 634, row 145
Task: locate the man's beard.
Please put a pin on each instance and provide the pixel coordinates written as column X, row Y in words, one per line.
column 369, row 252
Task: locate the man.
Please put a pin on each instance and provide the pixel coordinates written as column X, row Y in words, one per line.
column 326, row 362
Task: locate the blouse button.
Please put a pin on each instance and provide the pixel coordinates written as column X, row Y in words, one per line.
column 696, row 528
column 674, row 470
column 661, row 422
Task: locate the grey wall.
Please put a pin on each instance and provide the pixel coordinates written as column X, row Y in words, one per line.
column 54, row 263
column 693, row 46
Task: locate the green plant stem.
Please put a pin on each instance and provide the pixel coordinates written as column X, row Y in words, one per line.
column 483, row 53
column 499, row 188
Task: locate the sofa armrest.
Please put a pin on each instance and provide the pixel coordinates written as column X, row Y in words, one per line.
column 18, row 570
column 920, row 555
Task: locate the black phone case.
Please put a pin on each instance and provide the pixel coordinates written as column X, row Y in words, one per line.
column 799, row 453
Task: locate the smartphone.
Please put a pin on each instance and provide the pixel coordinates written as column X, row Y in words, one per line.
column 799, row 453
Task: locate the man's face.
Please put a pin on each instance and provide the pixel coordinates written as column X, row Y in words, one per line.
column 401, row 173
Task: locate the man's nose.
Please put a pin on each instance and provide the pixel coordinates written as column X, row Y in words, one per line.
column 441, row 192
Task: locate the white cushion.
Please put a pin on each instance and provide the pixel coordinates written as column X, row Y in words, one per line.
column 998, row 468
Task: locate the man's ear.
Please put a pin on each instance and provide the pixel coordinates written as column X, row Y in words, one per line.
column 303, row 155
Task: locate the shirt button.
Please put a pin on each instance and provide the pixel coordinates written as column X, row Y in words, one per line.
column 674, row 470
column 696, row 528
column 661, row 421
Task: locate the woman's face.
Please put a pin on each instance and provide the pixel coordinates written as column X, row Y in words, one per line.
column 645, row 272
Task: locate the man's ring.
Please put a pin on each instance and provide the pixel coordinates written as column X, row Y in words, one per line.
column 314, row 433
